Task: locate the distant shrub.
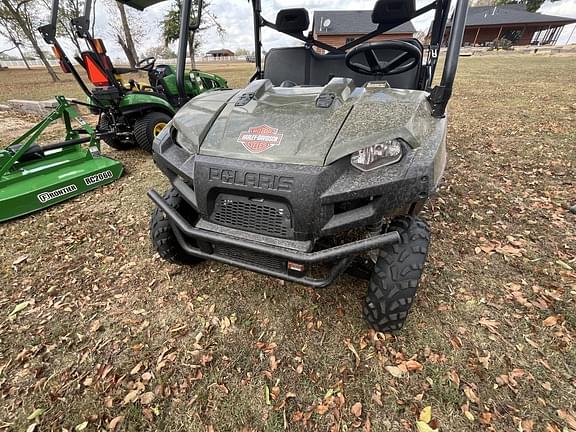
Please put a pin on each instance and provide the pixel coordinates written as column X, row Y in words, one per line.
column 503, row 44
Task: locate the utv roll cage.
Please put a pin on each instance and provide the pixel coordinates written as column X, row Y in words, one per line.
column 439, row 94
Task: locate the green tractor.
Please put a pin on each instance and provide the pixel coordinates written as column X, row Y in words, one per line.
column 131, row 113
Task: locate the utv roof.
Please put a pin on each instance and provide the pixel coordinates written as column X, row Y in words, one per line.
column 351, row 22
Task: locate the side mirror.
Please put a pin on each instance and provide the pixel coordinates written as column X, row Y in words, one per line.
column 195, row 21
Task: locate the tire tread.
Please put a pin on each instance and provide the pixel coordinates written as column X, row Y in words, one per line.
column 394, row 281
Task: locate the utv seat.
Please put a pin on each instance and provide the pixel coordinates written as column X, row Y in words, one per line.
column 306, row 67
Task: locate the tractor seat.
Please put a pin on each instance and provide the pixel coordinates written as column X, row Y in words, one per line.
column 304, row 66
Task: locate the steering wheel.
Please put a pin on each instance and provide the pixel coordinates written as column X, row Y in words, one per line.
column 146, row 64
column 409, row 57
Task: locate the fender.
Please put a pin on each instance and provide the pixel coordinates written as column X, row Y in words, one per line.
column 135, row 102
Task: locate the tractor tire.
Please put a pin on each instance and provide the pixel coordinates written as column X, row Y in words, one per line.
column 162, row 235
column 396, row 274
column 113, row 141
column 148, row 127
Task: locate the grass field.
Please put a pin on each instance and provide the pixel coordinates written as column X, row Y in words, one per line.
column 112, row 338
column 36, row 84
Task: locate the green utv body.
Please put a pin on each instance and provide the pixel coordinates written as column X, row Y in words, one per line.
column 321, row 164
column 311, row 135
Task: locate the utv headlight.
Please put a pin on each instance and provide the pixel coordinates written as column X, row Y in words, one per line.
column 378, row 155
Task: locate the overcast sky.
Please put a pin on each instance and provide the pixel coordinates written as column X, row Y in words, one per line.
column 236, row 17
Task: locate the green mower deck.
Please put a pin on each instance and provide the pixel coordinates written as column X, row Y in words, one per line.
column 33, row 178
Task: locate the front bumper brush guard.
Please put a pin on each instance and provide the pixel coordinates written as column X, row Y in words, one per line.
column 343, row 254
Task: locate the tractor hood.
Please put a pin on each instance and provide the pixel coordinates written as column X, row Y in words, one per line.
column 301, row 125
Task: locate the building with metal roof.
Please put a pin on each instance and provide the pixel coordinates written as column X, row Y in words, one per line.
column 338, row 27
column 486, row 24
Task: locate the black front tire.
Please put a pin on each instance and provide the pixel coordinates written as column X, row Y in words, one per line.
column 105, row 124
column 396, row 275
column 162, row 235
column 145, row 129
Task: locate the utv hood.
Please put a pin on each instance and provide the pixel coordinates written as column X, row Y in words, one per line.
column 298, row 125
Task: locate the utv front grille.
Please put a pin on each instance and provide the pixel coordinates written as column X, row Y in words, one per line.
column 253, row 214
column 250, row 257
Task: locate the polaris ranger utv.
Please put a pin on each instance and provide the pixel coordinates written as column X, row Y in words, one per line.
column 275, row 177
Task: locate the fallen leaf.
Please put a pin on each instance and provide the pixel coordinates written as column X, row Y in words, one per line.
column 356, row 409
column 273, row 363
column 367, row 425
column 413, row 365
column 424, row 427
column 552, row 320
column 81, row 426
column 146, row 398
column 266, row 347
column 527, row 425
column 115, row 422
column 36, row 413
column 395, row 371
column 267, row 395
column 95, row 326
column 297, row 416
column 20, row 259
column 471, row 395
column 353, row 351
column 486, row 418
column 136, row 369
column 454, row 377
column 563, row 265
column 568, row 417
column 491, row 325
column 322, row 409
column 19, row 308
column 130, row 397
column 426, row 414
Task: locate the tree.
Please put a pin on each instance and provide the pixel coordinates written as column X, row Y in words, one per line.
column 24, row 16
column 531, row 5
column 9, row 32
column 171, row 26
column 67, row 10
column 161, row 52
column 126, row 28
column 242, row 52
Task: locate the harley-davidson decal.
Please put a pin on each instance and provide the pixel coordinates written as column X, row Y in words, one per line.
column 260, row 138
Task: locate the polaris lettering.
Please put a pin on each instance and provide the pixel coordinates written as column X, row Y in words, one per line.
column 49, row 196
column 251, row 179
column 97, row 178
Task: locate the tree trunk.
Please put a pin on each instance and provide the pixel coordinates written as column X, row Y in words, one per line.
column 127, row 52
column 22, row 55
column 129, row 43
column 191, row 50
column 28, row 32
column 40, row 54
